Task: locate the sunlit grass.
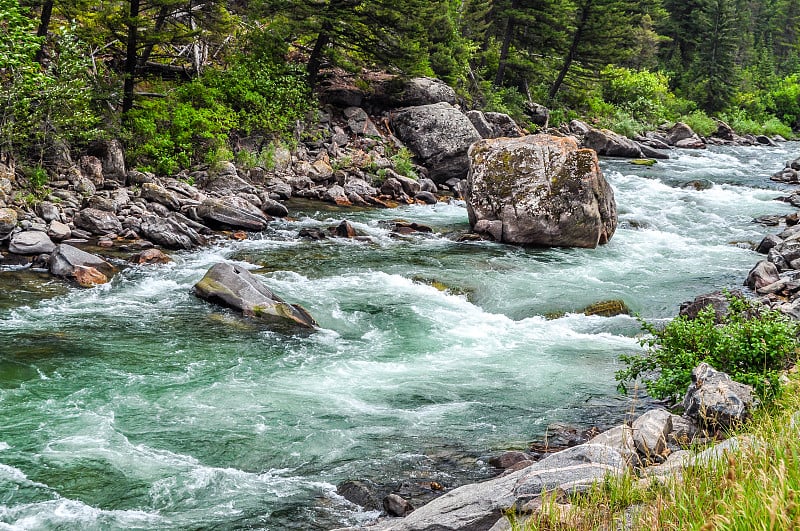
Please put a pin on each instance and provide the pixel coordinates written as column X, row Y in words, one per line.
column 754, row 487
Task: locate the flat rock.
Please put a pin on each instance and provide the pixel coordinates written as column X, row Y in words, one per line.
column 235, row 287
column 98, row 222
column 233, row 212
column 31, row 242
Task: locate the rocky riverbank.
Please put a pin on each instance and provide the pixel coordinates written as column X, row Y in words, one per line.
column 122, row 213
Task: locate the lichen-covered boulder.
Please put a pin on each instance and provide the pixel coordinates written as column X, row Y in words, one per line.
column 8, row 221
column 439, row 135
column 539, row 190
column 234, row 287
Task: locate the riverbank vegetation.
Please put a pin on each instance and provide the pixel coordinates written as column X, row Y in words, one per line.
column 183, row 82
column 751, row 343
column 752, row 485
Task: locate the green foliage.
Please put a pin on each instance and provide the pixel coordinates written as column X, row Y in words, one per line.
column 41, row 105
column 751, row 343
column 783, row 100
column 403, row 164
column 700, row 122
column 193, row 123
column 38, row 177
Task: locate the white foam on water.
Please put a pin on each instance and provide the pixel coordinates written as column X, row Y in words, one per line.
column 4, row 446
column 63, row 513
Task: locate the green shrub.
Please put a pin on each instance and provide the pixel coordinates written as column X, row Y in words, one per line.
column 700, row 122
column 194, row 122
column 784, row 100
column 752, row 344
column 403, row 164
column 624, row 123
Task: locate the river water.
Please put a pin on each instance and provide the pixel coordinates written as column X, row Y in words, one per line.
column 136, row 406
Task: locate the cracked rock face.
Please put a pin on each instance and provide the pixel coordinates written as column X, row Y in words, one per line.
column 539, row 190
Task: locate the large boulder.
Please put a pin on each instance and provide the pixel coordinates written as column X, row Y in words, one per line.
column 423, row 91
column 539, row 190
column 31, row 242
column 714, row 400
column 681, row 135
column 439, row 135
column 610, row 144
column 169, row 232
column 97, row 221
column 235, row 287
column 233, row 212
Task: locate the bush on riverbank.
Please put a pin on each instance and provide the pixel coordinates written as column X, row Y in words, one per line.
column 751, row 343
column 752, row 487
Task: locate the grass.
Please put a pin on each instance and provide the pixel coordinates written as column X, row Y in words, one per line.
column 755, row 487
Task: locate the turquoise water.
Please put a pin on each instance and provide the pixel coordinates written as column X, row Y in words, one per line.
column 136, row 406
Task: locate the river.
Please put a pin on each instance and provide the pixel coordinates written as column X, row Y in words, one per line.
column 134, row 405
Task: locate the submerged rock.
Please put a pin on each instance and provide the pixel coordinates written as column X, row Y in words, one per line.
column 235, row 287
column 539, row 190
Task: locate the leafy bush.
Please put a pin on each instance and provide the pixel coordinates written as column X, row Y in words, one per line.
column 700, row 122
column 784, row 100
column 403, row 163
column 751, row 343
column 193, row 123
column 624, row 123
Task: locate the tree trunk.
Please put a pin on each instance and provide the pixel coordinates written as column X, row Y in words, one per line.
column 501, row 66
column 44, row 25
column 315, row 60
column 573, row 49
column 130, row 57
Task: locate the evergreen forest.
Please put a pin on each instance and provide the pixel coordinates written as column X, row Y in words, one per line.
column 179, row 81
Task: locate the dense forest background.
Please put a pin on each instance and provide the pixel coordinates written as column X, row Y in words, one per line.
column 179, row 81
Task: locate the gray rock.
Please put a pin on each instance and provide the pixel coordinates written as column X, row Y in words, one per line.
column 579, row 128
column 509, row 459
column 427, row 185
column 359, row 122
column 361, row 493
column 539, row 114
column 224, row 179
column 717, row 299
column 47, row 211
column 354, row 185
column 650, row 432
column 169, row 232
column 97, row 221
column 481, row 124
column 713, row 399
column 159, row 194
column 652, row 153
column 439, row 135
column 66, row 258
column 769, row 241
column 31, row 242
column 473, row 507
column 395, row 505
column 233, row 212
column 235, row 287
column 683, row 431
column 763, row 274
column 544, row 190
column 680, row 131
column 84, row 187
column 113, row 159
column 503, row 125
column 138, row 178
column 92, row 168
column 58, row 231
column 426, row 197
column 575, row 469
column 620, row 438
column 273, row 208
column 425, row 91
column 610, row 144
column 690, row 143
